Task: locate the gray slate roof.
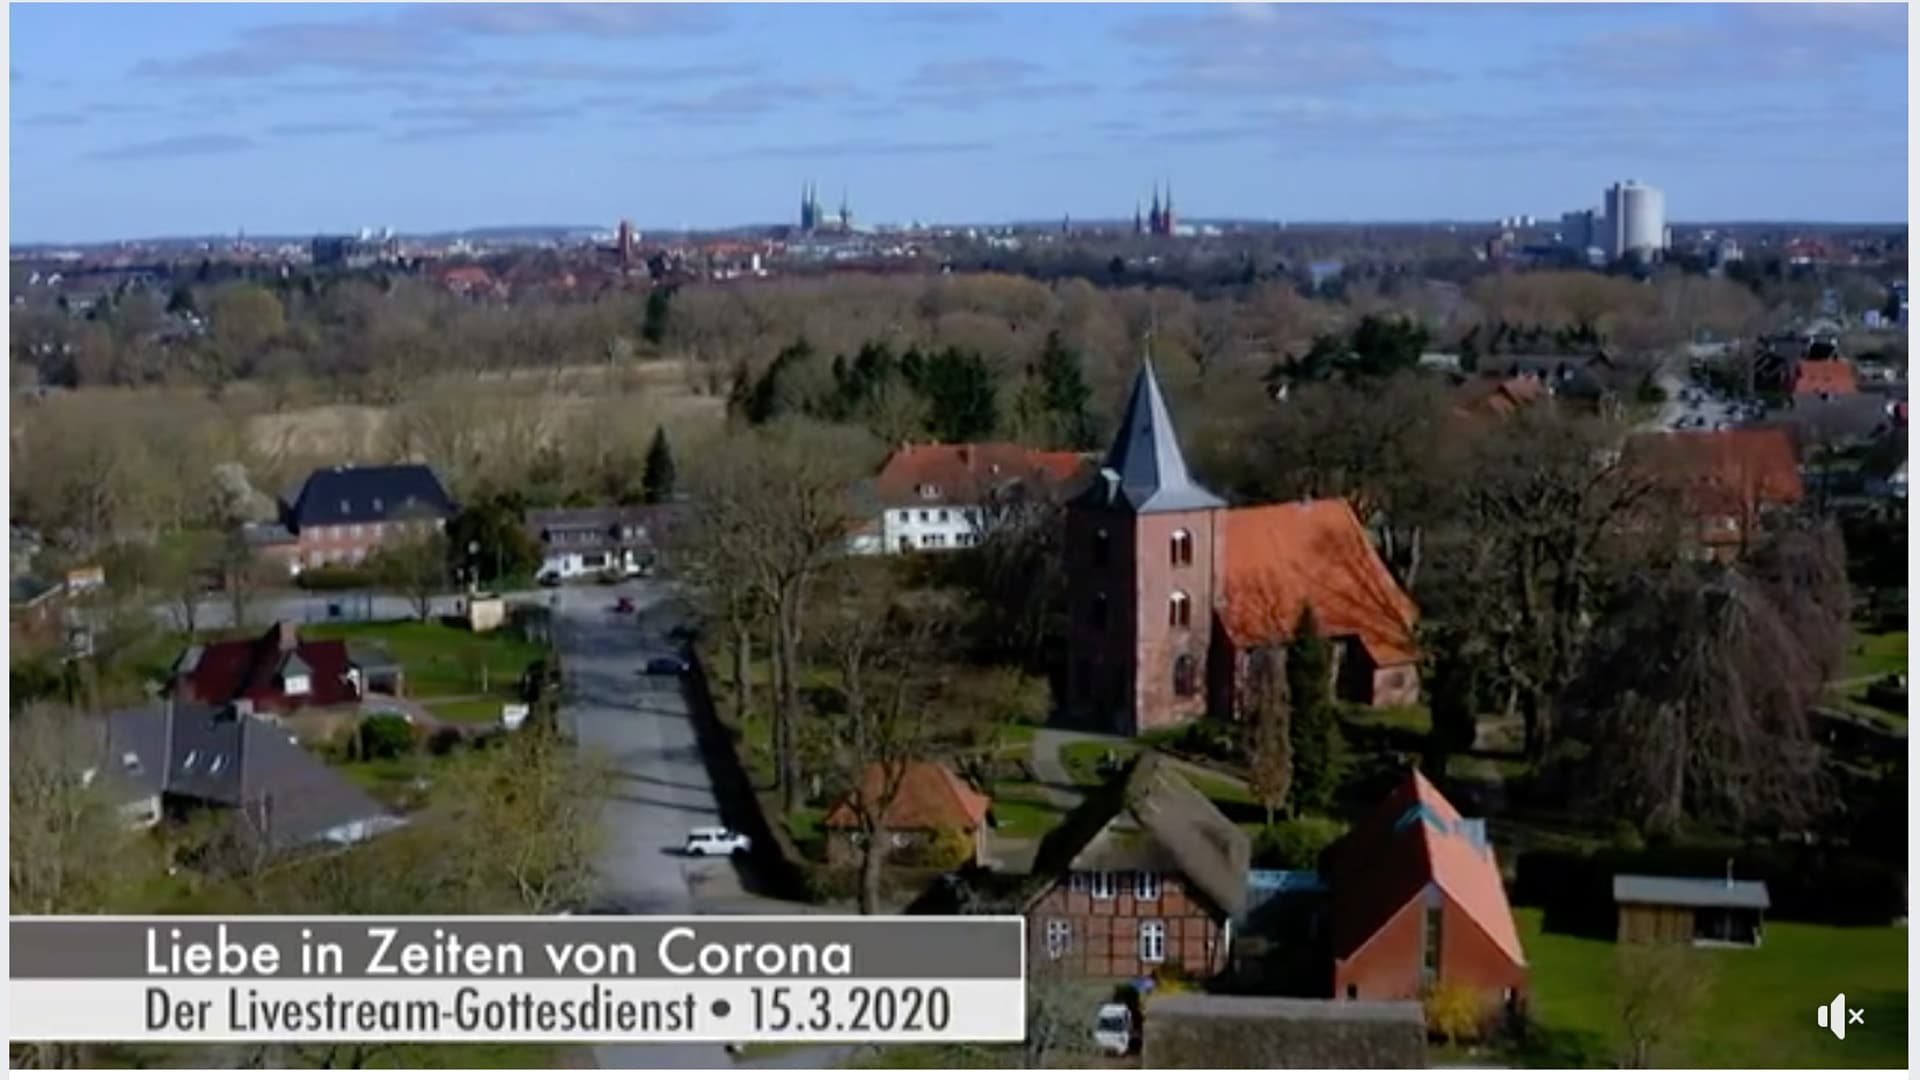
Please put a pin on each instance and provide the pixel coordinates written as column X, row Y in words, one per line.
column 213, row 755
column 347, row 494
column 1690, row 892
column 1144, row 470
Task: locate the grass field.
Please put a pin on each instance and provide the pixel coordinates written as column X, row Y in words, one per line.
column 479, row 712
column 441, row 660
column 1023, row 812
column 1759, row 1012
column 1873, row 655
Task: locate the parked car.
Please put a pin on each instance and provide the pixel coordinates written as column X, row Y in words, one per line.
column 1113, row 1028
column 716, row 841
column 668, row 665
column 549, row 579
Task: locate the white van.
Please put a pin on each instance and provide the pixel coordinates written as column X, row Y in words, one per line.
column 715, row 841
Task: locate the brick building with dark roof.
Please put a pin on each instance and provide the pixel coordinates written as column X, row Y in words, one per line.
column 1417, row 900
column 343, row 514
column 1170, row 590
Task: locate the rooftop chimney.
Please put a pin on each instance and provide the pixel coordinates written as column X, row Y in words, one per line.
column 287, row 635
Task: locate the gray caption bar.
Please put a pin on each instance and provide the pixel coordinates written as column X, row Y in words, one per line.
column 561, row 948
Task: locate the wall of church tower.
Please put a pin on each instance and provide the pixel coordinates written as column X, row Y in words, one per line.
column 1140, row 592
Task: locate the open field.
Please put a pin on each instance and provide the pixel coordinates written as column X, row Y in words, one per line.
column 1760, row 1008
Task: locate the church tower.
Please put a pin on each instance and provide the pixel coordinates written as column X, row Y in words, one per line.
column 1153, row 215
column 1166, row 213
column 1140, row 578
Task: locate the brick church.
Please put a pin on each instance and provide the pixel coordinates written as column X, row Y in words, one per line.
column 1171, row 590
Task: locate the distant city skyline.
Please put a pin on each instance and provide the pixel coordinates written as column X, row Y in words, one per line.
column 301, row 119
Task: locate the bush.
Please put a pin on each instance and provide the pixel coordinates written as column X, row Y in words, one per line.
column 335, row 578
column 1651, row 393
column 1296, row 844
column 445, row 741
column 1455, row 1011
column 946, row 849
column 385, row 736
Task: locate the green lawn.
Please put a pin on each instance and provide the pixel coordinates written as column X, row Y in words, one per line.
column 480, row 712
column 441, row 660
column 1023, row 812
column 1873, row 655
column 1760, row 1010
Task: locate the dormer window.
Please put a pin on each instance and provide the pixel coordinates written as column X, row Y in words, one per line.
column 296, row 685
column 192, row 756
column 130, row 761
column 345, row 507
column 219, row 760
column 929, row 491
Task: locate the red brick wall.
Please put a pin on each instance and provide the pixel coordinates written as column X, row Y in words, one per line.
column 1106, row 932
column 1388, row 966
column 334, row 545
column 1160, row 643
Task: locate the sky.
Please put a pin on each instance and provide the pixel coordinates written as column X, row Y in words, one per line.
column 156, row 120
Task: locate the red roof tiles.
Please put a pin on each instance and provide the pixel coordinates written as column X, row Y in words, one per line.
column 930, row 796
column 1833, row 377
column 1722, row 472
column 964, row 473
column 1412, row 839
column 1281, row 557
column 230, row 671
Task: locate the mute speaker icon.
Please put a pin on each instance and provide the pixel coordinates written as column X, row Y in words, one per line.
column 1835, row 1016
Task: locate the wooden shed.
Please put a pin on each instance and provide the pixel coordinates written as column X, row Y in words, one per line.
column 1697, row 911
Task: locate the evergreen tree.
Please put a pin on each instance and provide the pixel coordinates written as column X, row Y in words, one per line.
column 1269, row 742
column 1064, row 395
column 1451, row 694
column 657, row 482
column 959, row 390
column 659, row 308
column 1315, row 725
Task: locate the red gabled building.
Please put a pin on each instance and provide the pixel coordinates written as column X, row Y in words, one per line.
column 276, row 673
column 1726, row 482
column 1824, row 378
column 1170, row 590
column 1417, row 900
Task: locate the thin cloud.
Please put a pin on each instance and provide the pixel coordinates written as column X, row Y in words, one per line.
column 318, row 129
column 864, row 148
column 53, row 119
column 176, row 146
column 969, row 83
column 970, row 74
column 1745, row 44
column 578, row 20
column 943, row 14
column 1254, row 49
column 757, row 98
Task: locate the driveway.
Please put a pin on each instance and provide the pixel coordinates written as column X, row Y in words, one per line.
column 641, row 726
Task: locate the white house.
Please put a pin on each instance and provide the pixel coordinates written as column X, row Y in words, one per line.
column 932, row 497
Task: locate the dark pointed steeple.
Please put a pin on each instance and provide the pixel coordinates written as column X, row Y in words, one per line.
column 1144, row 470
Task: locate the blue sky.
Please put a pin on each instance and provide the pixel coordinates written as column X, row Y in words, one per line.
column 144, row 120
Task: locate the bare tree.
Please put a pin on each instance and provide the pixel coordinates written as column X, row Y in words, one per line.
column 71, row 852
column 1659, row 990
column 1699, row 689
column 881, row 652
column 417, row 569
column 773, row 508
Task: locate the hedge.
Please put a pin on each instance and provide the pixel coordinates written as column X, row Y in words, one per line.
column 1805, row 884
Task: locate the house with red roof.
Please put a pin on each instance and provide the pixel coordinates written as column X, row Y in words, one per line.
column 1726, row 482
column 276, row 674
column 929, row 800
column 1171, row 591
column 942, row 496
column 1824, row 378
column 1417, row 900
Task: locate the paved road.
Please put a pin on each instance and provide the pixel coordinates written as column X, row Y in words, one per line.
column 641, row 726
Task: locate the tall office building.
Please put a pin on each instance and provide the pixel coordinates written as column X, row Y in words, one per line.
column 1636, row 220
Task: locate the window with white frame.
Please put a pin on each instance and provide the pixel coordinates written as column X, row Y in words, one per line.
column 1146, row 885
column 1059, row 938
column 1153, row 941
column 1103, row 885
column 295, row 685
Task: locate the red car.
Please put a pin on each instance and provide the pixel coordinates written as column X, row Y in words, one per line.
column 623, row 606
